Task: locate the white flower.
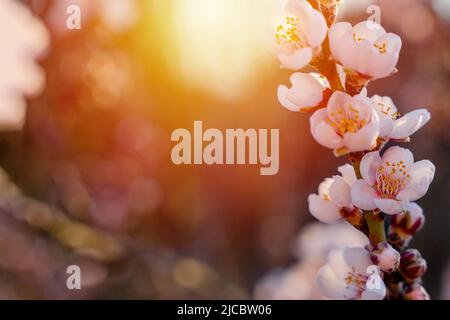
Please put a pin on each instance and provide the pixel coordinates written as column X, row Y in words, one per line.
column 306, row 94
column 316, row 240
column 301, row 37
column 398, row 128
column 311, row 247
column 390, row 182
column 333, row 195
column 365, row 48
column 349, row 123
column 23, row 39
column 292, row 283
column 345, row 276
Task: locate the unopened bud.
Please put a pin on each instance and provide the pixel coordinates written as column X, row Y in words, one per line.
column 409, row 221
column 385, row 256
column 412, row 265
column 415, row 292
column 403, row 226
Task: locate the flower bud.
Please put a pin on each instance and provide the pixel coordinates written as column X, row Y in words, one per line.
column 404, row 225
column 385, row 256
column 412, row 265
column 415, row 292
column 409, row 221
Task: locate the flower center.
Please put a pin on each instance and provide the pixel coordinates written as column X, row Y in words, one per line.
column 289, row 33
column 357, row 38
column 356, row 281
column 388, row 110
column 391, row 178
column 347, row 119
column 382, row 48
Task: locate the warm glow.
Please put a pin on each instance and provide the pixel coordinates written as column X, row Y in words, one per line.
column 221, row 42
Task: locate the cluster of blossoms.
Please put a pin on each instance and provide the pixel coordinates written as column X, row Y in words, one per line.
column 375, row 184
column 310, row 249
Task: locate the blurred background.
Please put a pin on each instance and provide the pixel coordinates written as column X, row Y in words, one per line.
column 89, row 180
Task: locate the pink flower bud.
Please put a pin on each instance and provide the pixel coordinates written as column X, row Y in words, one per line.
column 404, row 225
column 385, row 256
column 409, row 221
column 412, row 265
column 416, row 292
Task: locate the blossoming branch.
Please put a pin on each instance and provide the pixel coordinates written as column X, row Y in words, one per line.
column 377, row 190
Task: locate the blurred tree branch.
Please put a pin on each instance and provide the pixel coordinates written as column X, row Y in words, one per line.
column 72, row 234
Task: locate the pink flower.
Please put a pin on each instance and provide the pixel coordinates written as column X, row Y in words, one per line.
column 390, row 182
column 302, row 35
column 345, row 276
column 365, row 48
column 349, row 123
column 306, row 94
column 333, row 195
column 391, row 126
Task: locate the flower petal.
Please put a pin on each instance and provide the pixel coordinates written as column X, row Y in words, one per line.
column 390, row 206
column 369, row 30
column 378, row 294
column 330, row 285
column 336, row 101
column 364, row 139
column 385, row 60
column 296, row 60
column 340, row 193
column 342, row 45
column 348, row 173
column 324, row 187
column 387, row 111
column 369, row 165
column 323, row 132
column 336, row 260
column 323, row 210
column 410, row 123
column 313, row 22
column 358, row 258
column 307, row 91
column 397, row 154
column 422, row 174
column 363, row 195
column 285, row 102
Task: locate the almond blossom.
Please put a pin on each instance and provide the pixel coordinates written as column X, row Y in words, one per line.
column 333, row 195
column 302, row 35
column 395, row 127
column 306, row 94
column 390, row 182
column 348, row 123
column 365, row 48
column 311, row 248
column 345, row 276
